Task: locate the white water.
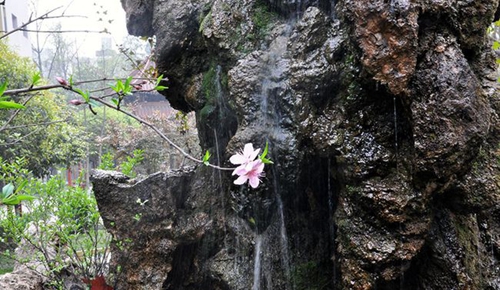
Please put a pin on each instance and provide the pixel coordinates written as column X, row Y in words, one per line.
column 285, row 256
column 331, row 224
column 257, row 263
column 396, row 133
column 272, row 83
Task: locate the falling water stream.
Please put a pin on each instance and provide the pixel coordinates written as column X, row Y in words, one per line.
column 257, row 263
column 272, row 74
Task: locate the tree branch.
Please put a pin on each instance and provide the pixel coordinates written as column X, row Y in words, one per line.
column 65, row 31
column 42, row 17
column 55, row 86
column 100, row 100
column 16, row 112
column 158, row 132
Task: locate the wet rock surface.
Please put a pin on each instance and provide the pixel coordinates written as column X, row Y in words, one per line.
column 382, row 121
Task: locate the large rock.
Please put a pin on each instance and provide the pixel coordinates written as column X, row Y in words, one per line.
column 382, row 121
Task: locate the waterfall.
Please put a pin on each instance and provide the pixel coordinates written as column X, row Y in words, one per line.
column 272, row 84
column 285, row 256
column 257, row 263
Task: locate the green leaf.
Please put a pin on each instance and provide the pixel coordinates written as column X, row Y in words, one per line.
column 7, row 190
column 115, row 101
column 3, row 87
column 128, row 81
column 10, row 105
column 266, row 161
column 22, row 197
column 264, row 153
column 496, row 45
column 158, row 80
column 263, row 158
column 70, row 81
column 21, row 186
column 160, row 88
column 36, row 78
column 117, row 87
column 85, row 95
column 206, row 158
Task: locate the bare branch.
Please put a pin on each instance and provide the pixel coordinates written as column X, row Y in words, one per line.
column 64, row 31
column 100, row 100
column 158, row 132
column 44, row 16
column 56, row 86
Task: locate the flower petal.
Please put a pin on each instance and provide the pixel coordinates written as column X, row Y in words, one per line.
column 241, row 180
column 238, row 159
column 254, row 154
column 258, row 166
column 248, row 151
column 254, row 181
column 240, row 170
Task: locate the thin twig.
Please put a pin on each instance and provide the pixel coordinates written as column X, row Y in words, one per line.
column 55, row 86
column 44, row 16
column 100, row 100
column 158, row 132
column 64, row 31
column 16, row 112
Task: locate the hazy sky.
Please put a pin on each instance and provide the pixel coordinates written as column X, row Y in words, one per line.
column 109, row 12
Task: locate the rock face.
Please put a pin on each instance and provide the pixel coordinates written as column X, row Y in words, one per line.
column 382, row 122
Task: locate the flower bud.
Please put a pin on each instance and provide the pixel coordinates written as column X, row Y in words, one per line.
column 62, row 81
column 76, row 102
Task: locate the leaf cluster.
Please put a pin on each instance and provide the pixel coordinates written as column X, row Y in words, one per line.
column 63, row 230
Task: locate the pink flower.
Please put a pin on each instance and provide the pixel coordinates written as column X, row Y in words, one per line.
column 249, row 169
column 62, row 81
column 251, row 172
column 246, row 156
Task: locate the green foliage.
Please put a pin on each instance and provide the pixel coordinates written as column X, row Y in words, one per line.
column 206, row 158
column 14, row 171
column 262, row 19
column 159, row 87
column 263, row 158
column 183, row 120
column 107, row 162
column 212, row 84
column 4, row 103
column 10, row 197
column 208, row 85
column 494, row 33
column 43, row 133
column 63, row 228
column 128, row 166
column 204, row 22
column 36, row 78
column 15, row 69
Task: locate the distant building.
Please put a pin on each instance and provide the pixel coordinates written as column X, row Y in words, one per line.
column 13, row 14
